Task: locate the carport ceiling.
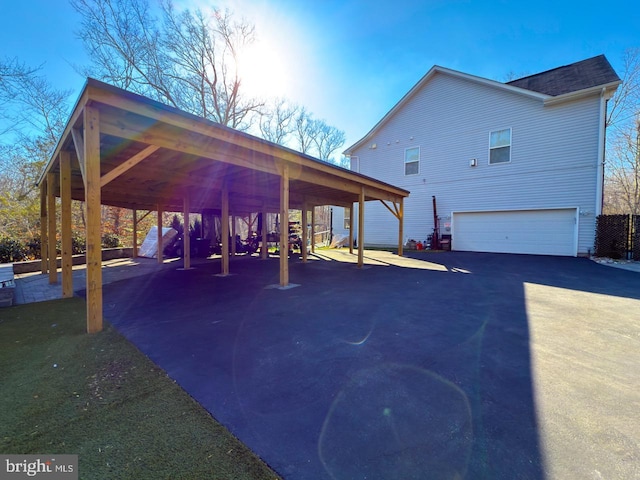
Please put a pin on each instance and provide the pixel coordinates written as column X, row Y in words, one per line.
column 153, row 156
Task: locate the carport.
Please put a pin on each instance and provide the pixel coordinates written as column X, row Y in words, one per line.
column 126, row 150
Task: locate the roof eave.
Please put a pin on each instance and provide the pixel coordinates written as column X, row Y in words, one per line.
column 73, row 118
column 609, row 88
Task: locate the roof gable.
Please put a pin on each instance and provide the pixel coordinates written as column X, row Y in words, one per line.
column 551, row 86
column 588, row 73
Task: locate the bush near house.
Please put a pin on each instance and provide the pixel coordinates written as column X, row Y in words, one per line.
column 12, row 250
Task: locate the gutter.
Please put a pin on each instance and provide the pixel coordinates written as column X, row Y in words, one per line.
column 612, row 86
column 601, row 146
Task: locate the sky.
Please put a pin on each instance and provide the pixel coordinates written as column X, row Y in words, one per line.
column 349, row 62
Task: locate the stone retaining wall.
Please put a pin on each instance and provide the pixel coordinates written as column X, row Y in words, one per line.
column 107, row 254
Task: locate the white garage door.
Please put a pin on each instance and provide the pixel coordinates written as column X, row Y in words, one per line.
column 543, row 232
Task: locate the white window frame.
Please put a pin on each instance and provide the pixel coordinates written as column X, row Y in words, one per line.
column 346, row 223
column 406, row 150
column 500, row 146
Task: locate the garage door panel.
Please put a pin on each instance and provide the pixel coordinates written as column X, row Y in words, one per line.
column 544, row 232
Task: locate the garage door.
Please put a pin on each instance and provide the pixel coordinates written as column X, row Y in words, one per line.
column 543, row 232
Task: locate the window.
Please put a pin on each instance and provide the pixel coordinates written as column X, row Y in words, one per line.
column 412, row 161
column 355, row 163
column 347, row 218
column 500, row 146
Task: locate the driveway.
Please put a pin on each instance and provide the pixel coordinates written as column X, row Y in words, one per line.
column 448, row 365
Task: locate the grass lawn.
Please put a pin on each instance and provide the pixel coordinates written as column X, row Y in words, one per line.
column 65, row 392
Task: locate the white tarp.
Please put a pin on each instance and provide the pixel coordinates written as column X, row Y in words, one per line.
column 149, row 247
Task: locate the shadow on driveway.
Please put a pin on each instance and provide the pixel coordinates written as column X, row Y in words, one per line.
column 387, row 372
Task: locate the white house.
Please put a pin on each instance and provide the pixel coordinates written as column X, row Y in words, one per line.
column 514, row 167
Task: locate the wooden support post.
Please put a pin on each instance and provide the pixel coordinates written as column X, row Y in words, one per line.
column 264, row 249
column 313, row 229
column 400, row 226
column 361, row 229
column 65, row 224
column 135, row 233
column 284, row 226
column 159, row 253
column 224, row 221
column 44, row 259
column 233, row 235
column 92, row 199
column 352, row 212
column 51, row 227
column 305, row 233
column 186, row 236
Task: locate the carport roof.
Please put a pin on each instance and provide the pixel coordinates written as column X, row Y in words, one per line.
column 153, row 156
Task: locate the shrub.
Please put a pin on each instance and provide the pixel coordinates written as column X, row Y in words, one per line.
column 78, row 244
column 109, row 240
column 12, row 250
column 34, row 248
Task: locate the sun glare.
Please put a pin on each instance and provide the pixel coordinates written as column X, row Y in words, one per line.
column 264, row 72
column 267, row 67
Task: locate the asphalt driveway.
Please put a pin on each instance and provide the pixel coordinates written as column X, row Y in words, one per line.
column 453, row 365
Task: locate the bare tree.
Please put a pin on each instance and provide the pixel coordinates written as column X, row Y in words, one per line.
column 327, row 140
column 622, row 186
column 622, row 180
column 315, row 137
column 623, row 108
column 186, row 59
column 304, row 131
column 277, row 121
column 33, row 114
column 12, row 74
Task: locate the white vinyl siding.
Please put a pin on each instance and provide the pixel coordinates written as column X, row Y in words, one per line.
column 553, row 159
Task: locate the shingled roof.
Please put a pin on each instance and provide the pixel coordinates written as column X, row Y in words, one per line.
column 577, row 76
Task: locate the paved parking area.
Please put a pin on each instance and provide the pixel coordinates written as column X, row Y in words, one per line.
column 450, row 365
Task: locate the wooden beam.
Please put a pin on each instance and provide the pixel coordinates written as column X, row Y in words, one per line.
column 94, row 241
column 126, row 127
column 78, row 112
column 361, row 229
column 394, row 211
column 186, row 142
column 313, row 230
column 186, row 237
column 264, row 249
column 78, row 143
column 135, row 233
column 127, row 164
column 305, row 233
column 51, row 227
column 400, row 226
column 145, row 215
column 159, row 253
column 351, row 214
column 44, row 259
column 284, row 227
column 65, row 224
column 233, row 235
column 224, row 223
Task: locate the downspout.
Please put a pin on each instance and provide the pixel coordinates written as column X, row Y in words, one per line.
column 601, row 146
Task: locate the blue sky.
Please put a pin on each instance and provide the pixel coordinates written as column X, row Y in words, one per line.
column 349, row 62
